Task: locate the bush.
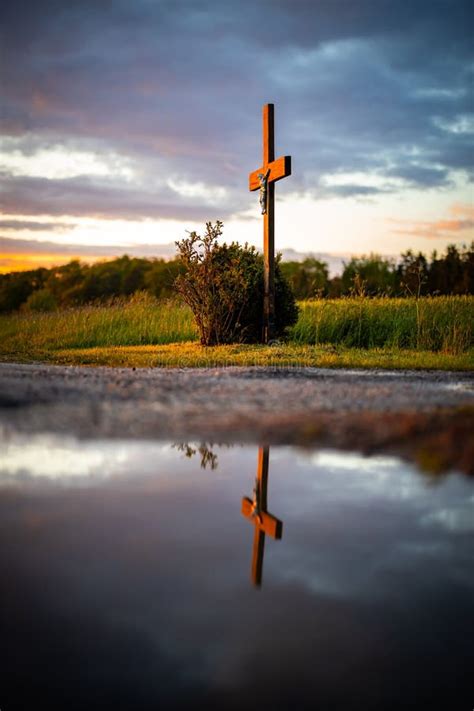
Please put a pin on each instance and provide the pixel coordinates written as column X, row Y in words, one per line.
column 41, row 300
column 223, row 286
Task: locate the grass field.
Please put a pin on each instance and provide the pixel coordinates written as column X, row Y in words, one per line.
column 444, row 323
column 433, row 332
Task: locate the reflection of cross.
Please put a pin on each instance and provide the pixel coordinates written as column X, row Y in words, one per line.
column 277, row 169
column 256, row 511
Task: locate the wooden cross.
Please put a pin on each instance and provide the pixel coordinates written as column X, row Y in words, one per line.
column 264, row 179
column 256, row 511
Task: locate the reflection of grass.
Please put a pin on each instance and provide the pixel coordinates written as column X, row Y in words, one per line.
column 355, row 332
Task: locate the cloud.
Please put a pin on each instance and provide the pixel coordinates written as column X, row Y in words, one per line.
column 176, row 90
column 353, row 190
column 9, row 245
column 32, row 226
column 105, row 198
column 419, row 175
column 460, row 225
column 460, row 209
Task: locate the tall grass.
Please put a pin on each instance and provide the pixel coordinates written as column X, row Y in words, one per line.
column 443, row 323
column 141, row 320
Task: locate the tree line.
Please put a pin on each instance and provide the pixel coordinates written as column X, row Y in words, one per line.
column 373, row 275
column 78, row 283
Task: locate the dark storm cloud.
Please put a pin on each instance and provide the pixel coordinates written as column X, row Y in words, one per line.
column 359, row 86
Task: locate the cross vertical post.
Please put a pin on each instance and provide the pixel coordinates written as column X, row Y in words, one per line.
column 269, row 229
column 264, row 179
column 256, row 511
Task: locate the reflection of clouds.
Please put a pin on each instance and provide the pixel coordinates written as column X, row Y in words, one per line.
column 352, row 461
column 459, row 519
column 69, row 461
column 153, row 578
column 426, row 548
column 349, row 476
column 355, row 526
column 317, row 579
column 47, row 459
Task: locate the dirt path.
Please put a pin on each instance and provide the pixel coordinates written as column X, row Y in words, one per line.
column 406, row 412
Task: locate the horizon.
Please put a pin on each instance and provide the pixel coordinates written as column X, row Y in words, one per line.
column 48, row 258
column 124, row 127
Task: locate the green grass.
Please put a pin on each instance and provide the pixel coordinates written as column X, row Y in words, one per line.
column 186, row 355
column 366, row 333
column 443, row 323
column 140, row 321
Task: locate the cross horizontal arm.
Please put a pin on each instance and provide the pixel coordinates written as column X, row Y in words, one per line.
column 268, row 524
column 279, row 168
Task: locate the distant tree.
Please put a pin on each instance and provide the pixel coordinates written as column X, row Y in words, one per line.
column 453, row 270
column 161, row 276
column 16, row 287
column 65, row 282
column 467, row 256
column 452, row 273
column 436, row 281
column 41, row 300
column 413, row 272
column 102, row 281
column 132, row 274
column 376, row 273
column 335, row 287
column 308, row 278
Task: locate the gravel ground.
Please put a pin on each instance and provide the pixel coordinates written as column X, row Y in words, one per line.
column 202, row 392
column 336, row 407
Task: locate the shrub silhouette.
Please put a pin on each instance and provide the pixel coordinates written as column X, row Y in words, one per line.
column 223, row 286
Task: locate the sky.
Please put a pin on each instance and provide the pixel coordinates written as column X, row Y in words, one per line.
column 127, row 123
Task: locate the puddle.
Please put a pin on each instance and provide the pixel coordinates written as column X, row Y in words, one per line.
column 141, row 574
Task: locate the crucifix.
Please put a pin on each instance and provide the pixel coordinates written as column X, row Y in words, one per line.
column 264, row 179
column 256, row 511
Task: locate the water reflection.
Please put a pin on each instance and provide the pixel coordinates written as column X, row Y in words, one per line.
column 205, row 452
column 126, row 579
column 256, row 511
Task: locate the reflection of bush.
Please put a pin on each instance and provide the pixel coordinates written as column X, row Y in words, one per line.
column 205, row 452
column 223, row 286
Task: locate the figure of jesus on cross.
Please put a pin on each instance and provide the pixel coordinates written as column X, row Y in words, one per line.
column 264, row 179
